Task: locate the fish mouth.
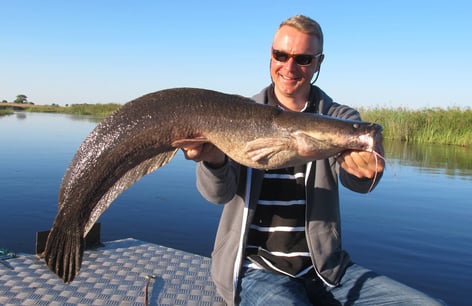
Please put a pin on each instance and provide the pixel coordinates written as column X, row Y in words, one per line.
column 367, row 142
column 366, row 138
column 371, row 139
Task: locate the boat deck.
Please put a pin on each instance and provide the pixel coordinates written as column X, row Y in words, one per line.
column 122, row 272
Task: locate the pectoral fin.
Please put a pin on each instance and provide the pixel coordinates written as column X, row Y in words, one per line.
column 309, row 147
column 263, row 149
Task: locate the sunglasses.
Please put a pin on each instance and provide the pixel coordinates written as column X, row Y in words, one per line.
column 300, row 59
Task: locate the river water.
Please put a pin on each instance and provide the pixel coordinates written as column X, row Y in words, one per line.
column 415, row 227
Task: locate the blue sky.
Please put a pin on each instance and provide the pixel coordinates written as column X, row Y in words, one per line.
column 403, row 53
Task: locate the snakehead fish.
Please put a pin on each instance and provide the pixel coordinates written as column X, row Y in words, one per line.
column 146, row 133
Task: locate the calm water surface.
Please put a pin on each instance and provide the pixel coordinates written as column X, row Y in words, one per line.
column 415, row 227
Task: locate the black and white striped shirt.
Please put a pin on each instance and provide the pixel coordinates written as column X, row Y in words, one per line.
column 276, row 239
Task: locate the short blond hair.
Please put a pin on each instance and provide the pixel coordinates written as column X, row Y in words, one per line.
column 306, row 25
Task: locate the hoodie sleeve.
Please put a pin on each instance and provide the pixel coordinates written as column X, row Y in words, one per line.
column 217, row 185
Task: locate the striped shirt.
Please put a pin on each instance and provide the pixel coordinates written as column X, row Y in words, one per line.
column 276, row 239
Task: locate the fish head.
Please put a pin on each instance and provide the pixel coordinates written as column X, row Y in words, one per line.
column 323, row 136
column 364, row 136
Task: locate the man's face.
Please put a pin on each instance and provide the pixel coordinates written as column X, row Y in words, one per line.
column 290, row 78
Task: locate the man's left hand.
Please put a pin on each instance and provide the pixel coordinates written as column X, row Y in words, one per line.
column 362, row 164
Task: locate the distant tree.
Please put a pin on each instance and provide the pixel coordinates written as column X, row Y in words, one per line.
column 21, row 99
column 4, row 101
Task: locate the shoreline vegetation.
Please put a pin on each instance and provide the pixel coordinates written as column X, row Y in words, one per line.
column 451, row 126
column 74, row 109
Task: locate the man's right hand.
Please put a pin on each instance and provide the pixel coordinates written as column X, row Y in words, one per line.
column 206, row 152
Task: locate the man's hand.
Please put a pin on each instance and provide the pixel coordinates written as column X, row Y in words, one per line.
column 206, row 152
column 361, row 163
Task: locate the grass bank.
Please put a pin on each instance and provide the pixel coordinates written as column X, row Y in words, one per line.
column 452, row 126
column 77, row 109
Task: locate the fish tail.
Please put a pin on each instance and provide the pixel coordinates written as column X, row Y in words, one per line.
column 64, row 251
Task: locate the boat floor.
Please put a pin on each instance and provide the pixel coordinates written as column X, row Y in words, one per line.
column 119, row 273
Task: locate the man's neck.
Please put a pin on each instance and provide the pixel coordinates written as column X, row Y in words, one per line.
column 296, row 103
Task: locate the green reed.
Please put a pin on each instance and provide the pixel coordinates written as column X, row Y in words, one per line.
column 451, row 126
column 93, row 109
column 77, row 109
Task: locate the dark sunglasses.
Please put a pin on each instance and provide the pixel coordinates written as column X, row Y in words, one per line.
column 300, row 59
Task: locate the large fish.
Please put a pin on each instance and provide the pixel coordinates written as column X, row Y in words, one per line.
column 146, row 133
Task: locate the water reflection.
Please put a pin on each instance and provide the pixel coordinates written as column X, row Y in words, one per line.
column 20, row 115
column 453, row 161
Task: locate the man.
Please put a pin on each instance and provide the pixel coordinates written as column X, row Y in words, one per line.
column 278, row 241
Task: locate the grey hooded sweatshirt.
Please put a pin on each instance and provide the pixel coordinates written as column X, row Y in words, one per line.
column 238, row 188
